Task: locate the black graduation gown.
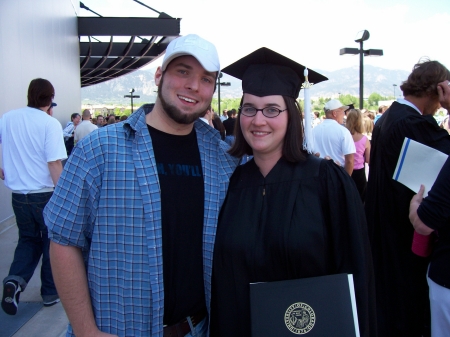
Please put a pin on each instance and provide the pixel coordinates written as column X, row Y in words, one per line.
column 402, row 291
column 302, row 220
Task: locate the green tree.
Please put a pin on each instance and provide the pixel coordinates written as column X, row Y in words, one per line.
column 323, row 100
column 374, row 98
column 225, row 103
column 348, row 99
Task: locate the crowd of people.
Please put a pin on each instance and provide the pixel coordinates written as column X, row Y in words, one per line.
column 80, row 126
column 156, row 226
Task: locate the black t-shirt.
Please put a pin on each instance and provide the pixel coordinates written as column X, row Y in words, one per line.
column 182, row 195
column 229, row 126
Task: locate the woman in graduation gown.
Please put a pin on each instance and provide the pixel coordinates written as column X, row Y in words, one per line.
column 287, row 214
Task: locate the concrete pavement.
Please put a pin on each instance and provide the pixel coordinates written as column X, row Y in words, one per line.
column 48, row 322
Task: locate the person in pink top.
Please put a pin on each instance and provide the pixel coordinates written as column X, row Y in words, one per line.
column 362, row 144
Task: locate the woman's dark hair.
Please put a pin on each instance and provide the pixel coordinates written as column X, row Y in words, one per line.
column 74, row 115
column 293, row 141
column 218, row 125
column 424, row 79
column 40, row 93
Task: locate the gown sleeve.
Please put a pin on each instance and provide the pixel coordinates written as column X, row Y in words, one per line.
column 350, row 251
column 434, row 211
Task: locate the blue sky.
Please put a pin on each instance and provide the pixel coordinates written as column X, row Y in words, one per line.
column 310, row 32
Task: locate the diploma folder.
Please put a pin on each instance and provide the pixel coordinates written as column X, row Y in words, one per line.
column 418, row 164
column 316, row 307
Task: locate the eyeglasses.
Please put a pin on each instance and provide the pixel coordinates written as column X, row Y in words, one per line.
column 269, row 112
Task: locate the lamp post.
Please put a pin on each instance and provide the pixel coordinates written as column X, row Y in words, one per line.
column 131, row 96
column 219, row 84
column 394, row 85
column 360, row 38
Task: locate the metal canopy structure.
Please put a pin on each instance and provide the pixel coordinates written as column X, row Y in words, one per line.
column 101, row 61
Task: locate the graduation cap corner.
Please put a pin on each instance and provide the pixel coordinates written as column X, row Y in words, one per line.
column 265, row 72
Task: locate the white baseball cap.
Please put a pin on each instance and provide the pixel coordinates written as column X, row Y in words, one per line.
column 204, row 51
column 334, row 104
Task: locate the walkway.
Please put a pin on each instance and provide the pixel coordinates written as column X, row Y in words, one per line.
column 47, row 322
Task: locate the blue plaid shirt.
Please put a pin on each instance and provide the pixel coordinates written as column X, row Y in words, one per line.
column 108, row 203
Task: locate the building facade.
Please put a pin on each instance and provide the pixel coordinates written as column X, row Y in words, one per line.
column 38, row 38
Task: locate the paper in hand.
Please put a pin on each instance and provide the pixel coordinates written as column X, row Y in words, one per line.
column 418, row 164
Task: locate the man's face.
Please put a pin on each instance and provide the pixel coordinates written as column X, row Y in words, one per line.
column 185, row 89
column 76, row 120
column 339, row 115
column 100, row 120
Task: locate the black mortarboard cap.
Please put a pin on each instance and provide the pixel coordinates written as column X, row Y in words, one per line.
column 265, row 73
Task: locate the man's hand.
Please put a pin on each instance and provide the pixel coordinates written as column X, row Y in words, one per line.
column 418, row 225
column 443, row 89
column 417, row 198
column 317, row 154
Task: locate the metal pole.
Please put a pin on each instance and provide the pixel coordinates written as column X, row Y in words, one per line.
column 218, row 84
column 131, row 102
column 361, row 75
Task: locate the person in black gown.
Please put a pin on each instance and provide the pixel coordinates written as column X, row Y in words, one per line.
column 400, row 275
column 287, row 214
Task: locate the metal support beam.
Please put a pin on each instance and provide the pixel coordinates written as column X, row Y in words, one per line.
column 361, row 75
column 118, row 26
column 101, row 48
column 102, row 61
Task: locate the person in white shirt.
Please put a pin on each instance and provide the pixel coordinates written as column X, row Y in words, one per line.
column 69, row 130
column 207, row 117
column 33, row 147
column 316, row 119
column 85, row 127
column 334, row 140
column 224, row 115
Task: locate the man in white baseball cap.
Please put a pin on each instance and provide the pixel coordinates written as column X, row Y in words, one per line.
column 334, row 140
column 145, row 211
column 204, row 51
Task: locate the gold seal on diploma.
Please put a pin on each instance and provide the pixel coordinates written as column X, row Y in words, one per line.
column 299, row 318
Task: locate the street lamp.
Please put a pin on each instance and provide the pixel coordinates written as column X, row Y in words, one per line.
column 361, row 37
column 219, row 84
column 131, row 96
column 394, row 85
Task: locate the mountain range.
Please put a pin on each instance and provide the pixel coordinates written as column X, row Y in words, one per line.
column 340, row 82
